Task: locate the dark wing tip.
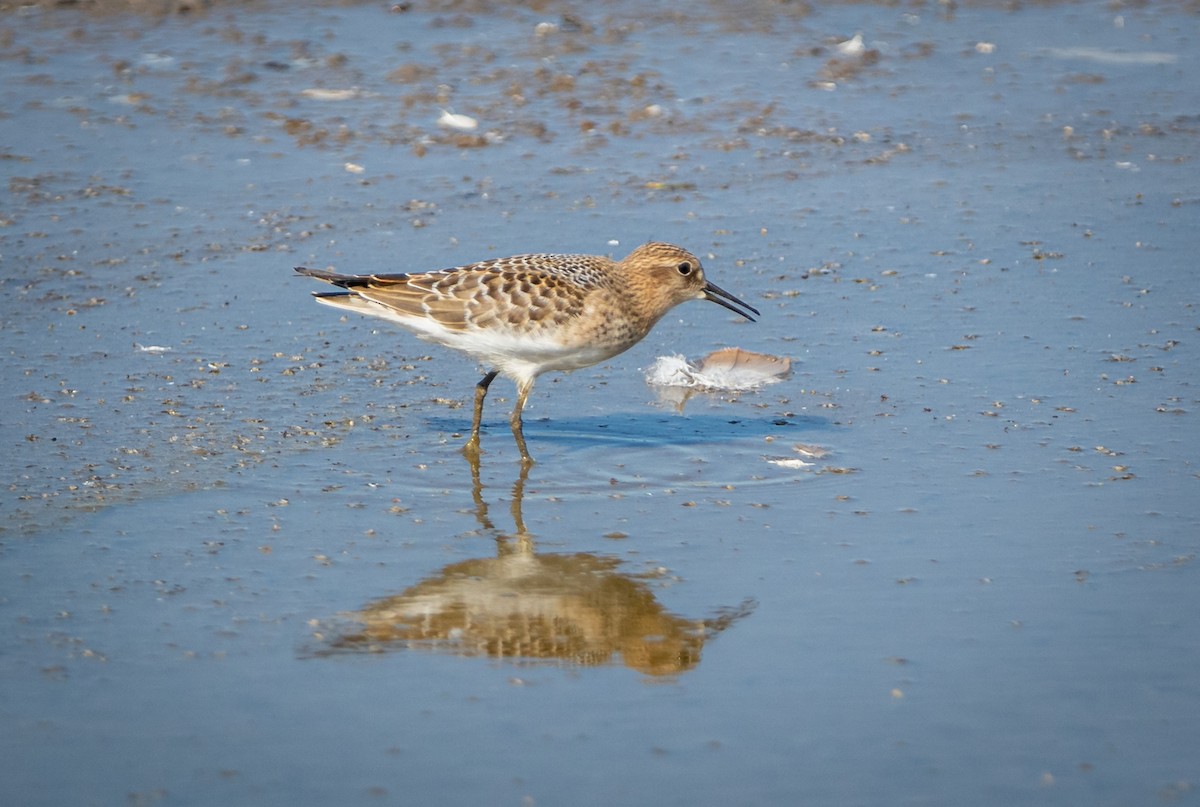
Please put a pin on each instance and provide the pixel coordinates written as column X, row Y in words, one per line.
column 345, row 281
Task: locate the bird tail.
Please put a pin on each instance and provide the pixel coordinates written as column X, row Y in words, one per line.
column 345, row 281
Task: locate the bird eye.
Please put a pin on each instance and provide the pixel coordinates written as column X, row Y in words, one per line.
column 685, row 268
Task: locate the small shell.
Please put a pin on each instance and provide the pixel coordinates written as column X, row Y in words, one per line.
column 852, row 47
column 323, row 94
column 463, row 123
column 729, row 369
column 743, row 368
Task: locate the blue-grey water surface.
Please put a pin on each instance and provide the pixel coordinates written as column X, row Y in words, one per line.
column 243, row 561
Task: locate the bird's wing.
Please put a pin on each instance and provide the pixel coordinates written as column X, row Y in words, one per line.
column 523, row 292
column 508, row 292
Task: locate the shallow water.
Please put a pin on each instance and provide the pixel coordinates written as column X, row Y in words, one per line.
column 243, row 561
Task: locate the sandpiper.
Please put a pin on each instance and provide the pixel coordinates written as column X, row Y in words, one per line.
column 530, row 314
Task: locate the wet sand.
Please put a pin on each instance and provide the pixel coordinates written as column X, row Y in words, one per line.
column 950, row 559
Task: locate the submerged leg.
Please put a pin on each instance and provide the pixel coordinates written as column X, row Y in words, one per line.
column 523, row 388
column 472, row 446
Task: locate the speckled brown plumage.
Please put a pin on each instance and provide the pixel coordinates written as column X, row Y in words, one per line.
column 530, row 314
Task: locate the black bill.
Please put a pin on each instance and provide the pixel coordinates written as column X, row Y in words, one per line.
column 723, row 298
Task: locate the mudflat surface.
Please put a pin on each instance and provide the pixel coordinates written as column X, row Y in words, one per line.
column 951, row 559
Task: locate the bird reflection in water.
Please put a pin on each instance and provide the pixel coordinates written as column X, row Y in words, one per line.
column 523, row 606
